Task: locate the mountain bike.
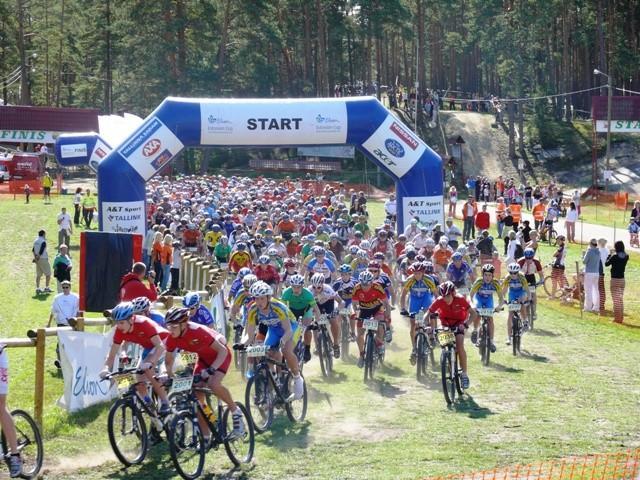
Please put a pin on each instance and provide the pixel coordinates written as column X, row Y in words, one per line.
column 128, row 434
column 345, row 333
column 484, row 339
column 324, row 346
column 239, row 360
column 450, row 372
column 517, row 327
column 187, row 443
column 29, row 444
column 531, row 306
column 424, row 352
column 267, row 390
column 372, row 354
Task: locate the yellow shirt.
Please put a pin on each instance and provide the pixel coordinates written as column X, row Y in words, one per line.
column 47, row 182
column 212, row 238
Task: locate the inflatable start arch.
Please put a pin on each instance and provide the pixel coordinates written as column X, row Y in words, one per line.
column 185, row 122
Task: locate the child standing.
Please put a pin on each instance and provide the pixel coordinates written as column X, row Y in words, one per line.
column 634, row 230
column 27, row 192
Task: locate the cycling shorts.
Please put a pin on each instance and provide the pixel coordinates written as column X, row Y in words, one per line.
column 4, row 373
column 373, row 313
column 451, row 323
column 531, row 279
column 369, row 312
column 516, row 295
column 417, row 303
column 480, row 301
column 222, row 368
column 327, row 307
column 304, row 314
column 276, row 332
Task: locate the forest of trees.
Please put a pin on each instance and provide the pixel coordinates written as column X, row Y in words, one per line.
column 127, row 55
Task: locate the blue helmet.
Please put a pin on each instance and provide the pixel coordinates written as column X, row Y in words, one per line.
column 345, row 268
column 191, row 299
column 140, row 304
column 243, row 272
column 529, row 253
column 122, row 311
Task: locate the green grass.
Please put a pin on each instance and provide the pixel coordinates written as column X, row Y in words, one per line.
column 606, row 214
column 574, row 392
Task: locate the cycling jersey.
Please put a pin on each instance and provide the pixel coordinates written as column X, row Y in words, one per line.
column 384, row 280
column 202, row 316
column 143, row 330
column 529, row 268
column 236, row 285
column 369, row 301
column 325, row 299
column 345, row 289
column 517, row 286
column 421, row 293
column 482, row 293
column 238, row 260
column 267, row 274
column 458, row 275
column 199, row 339
column 358, row 266
column 326, row 268
column 212, row 238
column 277, row 312
column 441, row 256
column 451, row 315
column 299, row 304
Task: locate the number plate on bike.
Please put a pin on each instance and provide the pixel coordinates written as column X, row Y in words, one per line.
column 370, row 324
column 257, row 351
column 420, row 321
column 181, row 384
column 188, row 358
column 485, row 312
column 323, row 320
column 514, row 307
column 446, row 338
column 124, row 382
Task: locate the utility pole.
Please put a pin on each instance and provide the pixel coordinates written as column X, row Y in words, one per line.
column 609, row 95
column 25, row 93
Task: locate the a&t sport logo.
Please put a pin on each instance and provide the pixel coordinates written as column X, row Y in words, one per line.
column 394, row 147
column 151, row 147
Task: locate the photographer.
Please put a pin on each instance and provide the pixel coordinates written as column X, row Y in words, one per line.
column 133, row 284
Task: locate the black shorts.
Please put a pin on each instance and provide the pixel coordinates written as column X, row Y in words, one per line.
column 327, row 307
column 531, row 279
column 369, row 312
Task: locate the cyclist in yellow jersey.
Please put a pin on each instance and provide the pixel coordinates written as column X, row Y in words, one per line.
column 212, row 236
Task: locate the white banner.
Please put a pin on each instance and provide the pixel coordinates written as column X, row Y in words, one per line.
column 151, row 148
column 28, row 136
column 99, row 152
column 428, row 210
column 82, row 357
column 332, row 151
column 395, row 146
column 74, row 150
column 273, row 122
column 628, row 126
column 123, row 217
column 218, row 313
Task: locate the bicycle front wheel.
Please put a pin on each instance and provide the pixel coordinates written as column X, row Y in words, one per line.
column 296, row 409
column 344, row 339
column 258, row 397
column 447, row 380
column 239, row 449
column 515, row 334
column 421, row 363
column 485, row 353
column 548, row 286
column 369, row 361
column 29, row 443
column 127, row 432
column 321, row 346
column 186, row 445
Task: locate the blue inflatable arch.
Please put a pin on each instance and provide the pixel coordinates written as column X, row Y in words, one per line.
column 186, row 122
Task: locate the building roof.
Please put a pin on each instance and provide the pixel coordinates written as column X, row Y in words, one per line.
column 51, row 119
column 622, row 108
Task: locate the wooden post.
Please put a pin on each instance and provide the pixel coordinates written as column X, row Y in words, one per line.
column 80, row 324
column 38, row 399
column 199, row 280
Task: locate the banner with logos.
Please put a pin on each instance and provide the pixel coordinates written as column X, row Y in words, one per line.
column 28, row 136
column 428, row 210
column 123, row 217
column 618, row 126
column 82, row 358
column 218, row 313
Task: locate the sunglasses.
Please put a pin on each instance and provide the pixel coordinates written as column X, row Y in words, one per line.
column 317, row 287
column 66, row 288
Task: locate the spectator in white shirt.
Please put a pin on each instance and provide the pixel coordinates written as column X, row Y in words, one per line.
column 452, row 232
column 64, row 228
column 65, row 306
column 390, row 207
column 148, row 245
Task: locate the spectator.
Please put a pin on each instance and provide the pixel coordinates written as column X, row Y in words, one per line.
column 65, row 306
column 526, row 231
column 47, row 183
column 132, row 285
column 538, row 212
column 469, row 210
column 617, row 260
column 604, row 253
column 558, row 278
column 570, row 222
column 27, row 192
column 62, row 266
column 156, row 257
column 88, row 208
column 453, row 200
column 528, row 193
column 147, row 246
column 390, row 207
column 592, row 265
column 166, row 257
column 176, row 265
column 77, row 202
column 41, row 259
column 576, row 201
column 483, row 221
column 634, row 230
column 452, row 232
column 501, row 209
column 485, row 247
column 64, row 228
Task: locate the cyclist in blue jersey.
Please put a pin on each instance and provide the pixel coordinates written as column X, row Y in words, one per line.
column 142, row 306
column 517, row 287
column 459, row 272
column 430, row 271
column 321, row 264
column 237, row 283
column 198, row 313
column 344, row 288
column 481, row 293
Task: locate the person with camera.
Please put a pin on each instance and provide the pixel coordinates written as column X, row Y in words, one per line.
column 138, row 284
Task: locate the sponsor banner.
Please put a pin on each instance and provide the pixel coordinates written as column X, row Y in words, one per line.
column 428, row 210
column 73, row 150
column 28, row 136
column 273, row 123
column 123, row 217
column 82, row 357
column 628, row 126
column 395, row 146
column 333, row 151
column 218, row 313
column 151, row 148
column 100, row 151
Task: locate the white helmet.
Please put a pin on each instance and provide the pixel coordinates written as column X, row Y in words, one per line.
column 365, row 277
column 429, row 242
column 296, row 280
column 317, row 279
column 261, row 289
column 513, row 268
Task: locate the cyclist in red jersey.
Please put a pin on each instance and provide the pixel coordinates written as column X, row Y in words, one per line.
column 370, row 299
column 455, row 312
column 214, row 358
column 150, row 336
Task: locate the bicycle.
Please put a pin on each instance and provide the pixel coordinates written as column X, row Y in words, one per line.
column 531, row 306
column 372, row 355
column 267, row 390
column 345, row 337
column 127, row 429
column 564, row 289
column 450, row 372
column 517, row 327
column 187, row 444
column 424, row 351
column 484, row 340
column 239, row 360
column 324, row 346
column 29, row 442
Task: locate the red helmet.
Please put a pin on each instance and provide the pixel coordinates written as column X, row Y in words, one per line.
column 374, row 264
column 447, row 288
column 289, row 262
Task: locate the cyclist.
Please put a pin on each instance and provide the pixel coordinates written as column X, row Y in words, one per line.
column 482, row 292
column 455, row 312
column 375, row 267
column 290, row 268
column 303, row 305
column 459, row 272
column 344, row 287
column 430, row 272
column 283, row 331
column 516, row 285
column 150, row 336
column 242, row 301
column 214, row 358
column 360, row 263
column 325, row 298
column 267, row 272
column 351, row 256
column 371, row 301
column 198, row 313
column 239, row 258
column 142, row 306
column 421, row 290
column 321, row 264
column 529, row 266
column 212, row 237
column 237, row 283
column 442, row 254
column 6, row 420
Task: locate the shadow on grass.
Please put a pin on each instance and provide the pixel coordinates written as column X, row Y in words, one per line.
column 384, row 388
column 540, row 332
column 432, row 380
column 468, row 405
column 336, row 377
column 43, row 297
column 503, row 368
column 533, row 356
column 316, row 396
column 285, row 435
column 391, row 370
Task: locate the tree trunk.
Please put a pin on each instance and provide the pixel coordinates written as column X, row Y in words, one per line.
column 59, row 79
column 307, row 70
column 108, row 84
column 512, row 134
column 521, row 127
column 321, row 69
column 25, row 90
column 181, row 61
column 224, row 40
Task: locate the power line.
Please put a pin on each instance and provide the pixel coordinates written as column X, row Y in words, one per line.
column 525, row 99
